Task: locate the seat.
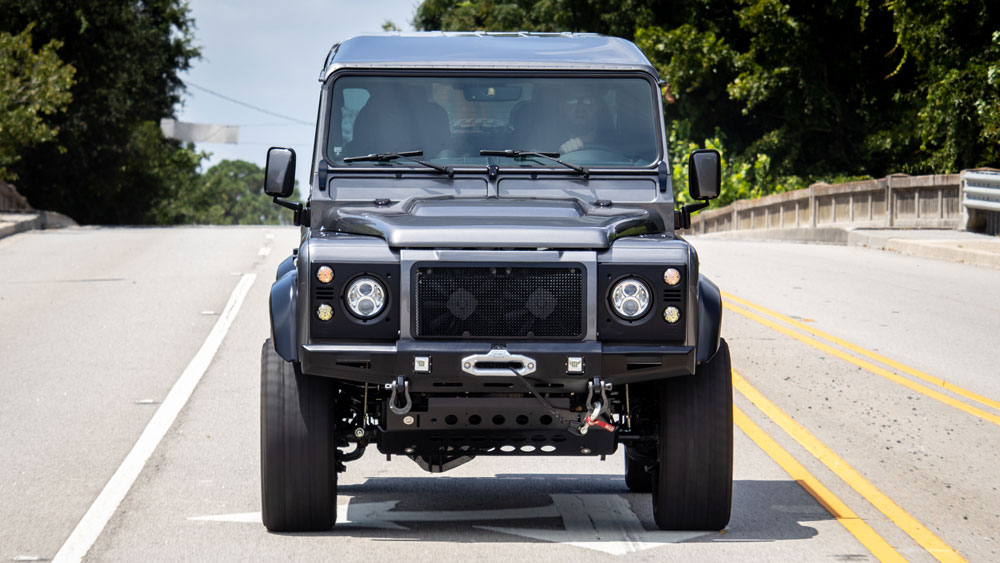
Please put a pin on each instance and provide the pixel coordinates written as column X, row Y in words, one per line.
column 399, row 120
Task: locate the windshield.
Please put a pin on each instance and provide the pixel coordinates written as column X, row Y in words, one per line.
column 599, row 121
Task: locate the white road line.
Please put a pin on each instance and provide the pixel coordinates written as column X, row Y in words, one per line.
column 104, row 507
column 264, row 251
column 603, row 523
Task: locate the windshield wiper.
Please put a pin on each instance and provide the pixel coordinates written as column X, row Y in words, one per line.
column 405, row 155
column 553, row 156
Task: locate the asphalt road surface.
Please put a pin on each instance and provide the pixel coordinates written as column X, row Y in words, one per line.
column 868, row 422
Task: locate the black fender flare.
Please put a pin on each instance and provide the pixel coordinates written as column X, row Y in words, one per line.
column 284, row 296
column 709, row 318
column 287, row 265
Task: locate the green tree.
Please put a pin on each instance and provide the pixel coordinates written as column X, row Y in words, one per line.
column 229, row 193
column 808, row 84
column 33, row 85
column 953, row 49
column 798, row 91
column 611, row 17
column 109, row 163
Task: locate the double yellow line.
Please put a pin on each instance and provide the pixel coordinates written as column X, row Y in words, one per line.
column 865, row 534
column 861, row 530
column 731, row 300
column 836, row 507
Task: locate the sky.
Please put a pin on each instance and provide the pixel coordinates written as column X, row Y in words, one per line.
column 269, row 54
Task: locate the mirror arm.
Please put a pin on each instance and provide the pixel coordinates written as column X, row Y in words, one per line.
column 682, row 216
column 297, row 208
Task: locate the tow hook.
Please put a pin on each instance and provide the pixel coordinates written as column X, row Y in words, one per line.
column 400, row 384
column 598, row 407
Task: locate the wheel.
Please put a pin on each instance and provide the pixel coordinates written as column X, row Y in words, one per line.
column 297, row 451
column 637, row 478
column 693, row 484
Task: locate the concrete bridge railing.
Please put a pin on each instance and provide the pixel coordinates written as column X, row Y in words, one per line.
column 12, row 201
column 897, row 201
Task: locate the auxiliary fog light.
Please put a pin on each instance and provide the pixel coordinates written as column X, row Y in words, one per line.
column 672, row 276
column 671, row 315
column 324, row 274
column 630, row 298
column 365, row 297
column 324, row 312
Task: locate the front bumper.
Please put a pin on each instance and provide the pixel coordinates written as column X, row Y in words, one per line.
column 382, row 363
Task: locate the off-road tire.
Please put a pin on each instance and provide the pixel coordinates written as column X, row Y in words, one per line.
column 693, row 484
column 637, row 478
column 297, row 452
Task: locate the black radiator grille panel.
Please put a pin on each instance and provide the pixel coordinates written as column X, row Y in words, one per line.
column 487, row 302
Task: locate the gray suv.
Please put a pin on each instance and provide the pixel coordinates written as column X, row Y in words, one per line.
column 489, row 267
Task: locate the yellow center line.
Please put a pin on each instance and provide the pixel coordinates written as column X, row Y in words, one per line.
column 920, row 533
column 896, row 378
column 868, row 354
column 854, row 524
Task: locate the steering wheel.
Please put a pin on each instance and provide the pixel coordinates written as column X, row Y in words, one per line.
column 594, row 153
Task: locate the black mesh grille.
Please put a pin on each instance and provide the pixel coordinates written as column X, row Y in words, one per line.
column 499, row 302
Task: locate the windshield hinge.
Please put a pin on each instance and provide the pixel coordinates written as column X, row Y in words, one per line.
column 493, row 170
column 662, row 173
column 323, row 170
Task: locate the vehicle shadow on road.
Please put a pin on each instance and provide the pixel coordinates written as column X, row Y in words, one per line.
column 470, row 509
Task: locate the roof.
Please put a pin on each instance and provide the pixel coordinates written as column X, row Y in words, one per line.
column 520, row 50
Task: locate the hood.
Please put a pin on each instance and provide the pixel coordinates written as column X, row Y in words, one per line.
column 494, row 223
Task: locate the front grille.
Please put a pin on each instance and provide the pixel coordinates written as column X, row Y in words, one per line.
column 489, row 302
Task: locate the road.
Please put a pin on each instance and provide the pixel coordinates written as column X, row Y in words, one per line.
column 867, row 416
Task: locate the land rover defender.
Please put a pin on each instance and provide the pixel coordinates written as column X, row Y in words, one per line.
column 489, row 266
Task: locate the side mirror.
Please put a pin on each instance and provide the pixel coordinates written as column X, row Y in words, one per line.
column 279, row 172
column 705, row 174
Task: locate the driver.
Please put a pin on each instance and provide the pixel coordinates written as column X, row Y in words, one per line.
column 581, row 113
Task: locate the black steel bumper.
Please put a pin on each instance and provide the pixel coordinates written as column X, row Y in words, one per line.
column 382, row 363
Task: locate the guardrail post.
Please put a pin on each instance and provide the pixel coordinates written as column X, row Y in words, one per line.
column 890, row 203
column 813, row 209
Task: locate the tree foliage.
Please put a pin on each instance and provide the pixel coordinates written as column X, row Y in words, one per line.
column 797, row 91
column 33, row 84
column 611, row 17
column 109, row 162
column 953, row 49
column 229, row 193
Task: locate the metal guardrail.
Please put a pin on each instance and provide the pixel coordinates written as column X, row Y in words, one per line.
column 981, row 196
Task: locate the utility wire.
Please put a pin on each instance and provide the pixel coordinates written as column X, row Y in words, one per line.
column 244, row 104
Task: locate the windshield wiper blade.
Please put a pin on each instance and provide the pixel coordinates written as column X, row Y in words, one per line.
column 553, row 156
column 404, row 155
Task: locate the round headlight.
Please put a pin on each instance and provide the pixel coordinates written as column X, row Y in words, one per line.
column 630, row 298
column 672, row 276
column 365, row 297
column 671, row 314
column 324, row 274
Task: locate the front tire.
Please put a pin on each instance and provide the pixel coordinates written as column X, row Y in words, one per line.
column 693, row 486
column 297, row 453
